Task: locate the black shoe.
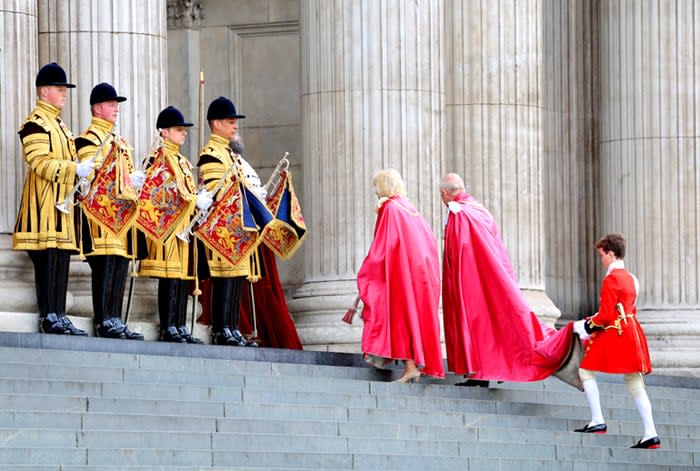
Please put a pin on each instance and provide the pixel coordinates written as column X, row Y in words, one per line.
column 127, row 334
column 242, row 341
column 185, row 334
column 171, row 335
column 51, row 324
column 114, row 328
column 473, row 383
column 225, row 337
column 652, row 443
column 599, row 429
column 72, row 330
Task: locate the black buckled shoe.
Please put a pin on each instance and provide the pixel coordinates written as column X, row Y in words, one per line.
column 109, row 330
column 242, row 341
column 652, row 443
column 51, row 324
column 171, row 335
column 127, row 334
column 114, row 328
column 185, row 334
column 72, row 330
column 474, row 383
column 225, row 337
column 599, row 429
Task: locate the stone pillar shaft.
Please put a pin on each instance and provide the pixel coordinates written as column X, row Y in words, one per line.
column 372, row 97
column 118, row 41
column 649, row 155
column 18, row 68
column 570, row 165
column 494, row 119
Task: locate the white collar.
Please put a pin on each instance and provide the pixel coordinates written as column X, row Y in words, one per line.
column 617, row 264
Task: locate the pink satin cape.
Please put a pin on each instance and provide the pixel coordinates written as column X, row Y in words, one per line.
column 399, row 283
column 490, row 331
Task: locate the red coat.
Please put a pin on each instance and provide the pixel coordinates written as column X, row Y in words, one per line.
column 612, row 350
column 399, row 283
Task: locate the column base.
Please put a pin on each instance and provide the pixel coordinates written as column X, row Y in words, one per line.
column 317, row 308
column 542, row 306
column 674, row 340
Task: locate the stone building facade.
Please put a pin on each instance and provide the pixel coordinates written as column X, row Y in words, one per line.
column 568, row 119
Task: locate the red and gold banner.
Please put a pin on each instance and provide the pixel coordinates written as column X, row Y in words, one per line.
column 112, row 201
column 161, row 206
column 285, row 238
column 230, row 230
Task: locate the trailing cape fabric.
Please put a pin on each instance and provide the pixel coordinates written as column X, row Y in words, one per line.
column 275, row 325
column 399, row 283
column 490, row 331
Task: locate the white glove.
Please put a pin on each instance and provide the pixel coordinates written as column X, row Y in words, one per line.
column 137, row 178
column 83, row 169
column 204, row 200
column 580, row 329
column 261, row 192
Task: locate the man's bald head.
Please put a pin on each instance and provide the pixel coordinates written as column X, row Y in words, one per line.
column 450, row 185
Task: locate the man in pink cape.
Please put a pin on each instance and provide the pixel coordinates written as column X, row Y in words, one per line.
column 399, row 283
column 490, row 331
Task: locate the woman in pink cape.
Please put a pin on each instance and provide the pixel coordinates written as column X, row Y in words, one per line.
column 399, row 283
column 490, row 331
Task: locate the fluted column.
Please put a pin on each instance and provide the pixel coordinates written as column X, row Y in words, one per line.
column 122, row 42
column 649, row 155
column 372, row 97
column 494, row 125
column 18, row 67
column 570, row 94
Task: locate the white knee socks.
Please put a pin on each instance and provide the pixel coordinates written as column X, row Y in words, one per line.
column 590, row 387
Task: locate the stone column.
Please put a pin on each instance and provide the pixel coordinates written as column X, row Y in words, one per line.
column 649, row 156
column 18, row 68
column 570, row 161
column 372, row 97
column 118, row 41
column 494, row 125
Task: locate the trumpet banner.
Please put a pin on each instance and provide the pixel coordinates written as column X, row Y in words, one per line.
column 112, row 201
column 161, row 206
column 230, row 230
column 285, row 238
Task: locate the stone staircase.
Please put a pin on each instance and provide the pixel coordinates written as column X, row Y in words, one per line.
column 76, row 404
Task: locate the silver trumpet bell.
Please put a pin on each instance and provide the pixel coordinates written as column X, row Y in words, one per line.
column 82, row 188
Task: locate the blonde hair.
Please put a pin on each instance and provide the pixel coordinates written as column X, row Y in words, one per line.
column 388, row 182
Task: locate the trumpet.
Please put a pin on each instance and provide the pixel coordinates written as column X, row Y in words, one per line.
column 276, row 177
column 203, row 214
column 82, row 186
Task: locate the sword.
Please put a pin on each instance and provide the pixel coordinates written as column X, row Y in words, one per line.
column 130, row 297
column 252, row 308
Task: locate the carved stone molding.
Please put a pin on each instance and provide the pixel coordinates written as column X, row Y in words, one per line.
column 184, row 14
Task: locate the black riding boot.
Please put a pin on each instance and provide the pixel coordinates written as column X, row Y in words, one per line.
column 167, row 310
column 43, row 273
column 61, row 269
column 182, row 313
column 116, row 302
column 235, row 314
column 99, row 268
column 221, row 300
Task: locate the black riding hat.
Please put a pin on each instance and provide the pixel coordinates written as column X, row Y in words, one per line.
column 171, row 117
column 104, row 92
column 222, row 108
column 52, row 74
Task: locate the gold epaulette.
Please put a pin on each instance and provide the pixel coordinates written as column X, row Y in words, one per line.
column 37, row 119
column 92, row 136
